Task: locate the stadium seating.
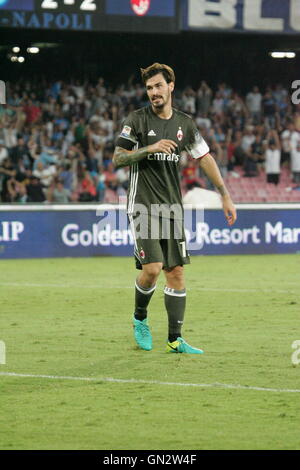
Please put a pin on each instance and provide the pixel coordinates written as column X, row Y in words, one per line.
column 258, row 190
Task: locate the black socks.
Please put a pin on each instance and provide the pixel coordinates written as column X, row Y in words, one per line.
column 142, row 298
column 175, row 301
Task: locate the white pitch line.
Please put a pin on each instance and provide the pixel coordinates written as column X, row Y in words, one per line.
column 79, row 286
column 151, row 382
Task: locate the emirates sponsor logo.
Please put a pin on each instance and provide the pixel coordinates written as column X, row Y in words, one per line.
column 164, row 157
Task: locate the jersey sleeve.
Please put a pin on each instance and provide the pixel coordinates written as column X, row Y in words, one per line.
column 196, row 147
column 127, row 138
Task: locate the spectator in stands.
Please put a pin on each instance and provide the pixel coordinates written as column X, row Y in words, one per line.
column 254, row 103
column 238, row 153
column 57, row 193
column 3, row 151
column 224, row 89
column 111, row 180
column 219, row 135
column 66, row 176
column 203, row 121
column 21, row 152
column 255, row 157
column 35, row 190
column 286, row 144
column 204, row 98
column 218, row 104
column 45, row 174
column 248, row 139
column 17, row 191
column 10, row 132
column 272, row 157
column 77, row 123
column 122, row 175
column 45, row 157
column 230, row 150
column 86, row 189
column 7, row 171
column 32, row 111
column 295, row 155
column 107, row 125
column 280, row 93
column 284, row 108
column 189, row 100
column 79, row 130
column 190, row 173
column 269, row 109
column 235, row 106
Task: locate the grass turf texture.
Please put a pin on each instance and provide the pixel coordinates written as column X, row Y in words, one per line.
column 72, row 317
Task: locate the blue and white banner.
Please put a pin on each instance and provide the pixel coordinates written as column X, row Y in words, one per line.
column 259, row 16
column 73, row 231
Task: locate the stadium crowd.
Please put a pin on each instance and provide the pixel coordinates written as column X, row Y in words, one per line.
column 57, row 139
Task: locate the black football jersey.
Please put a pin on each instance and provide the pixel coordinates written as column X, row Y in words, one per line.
column 155, row 179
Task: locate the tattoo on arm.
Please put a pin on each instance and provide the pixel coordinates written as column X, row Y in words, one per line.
column 124, row 157
column 222, row 190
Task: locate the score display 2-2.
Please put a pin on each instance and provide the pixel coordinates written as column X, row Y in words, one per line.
column 83, row 5
column 89, row 15
column 52, row 14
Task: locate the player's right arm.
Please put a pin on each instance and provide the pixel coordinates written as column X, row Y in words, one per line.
column 123, row 157
column 126, row 152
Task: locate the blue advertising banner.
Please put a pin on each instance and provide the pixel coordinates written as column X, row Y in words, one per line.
column 259, row 16
column 42, row 232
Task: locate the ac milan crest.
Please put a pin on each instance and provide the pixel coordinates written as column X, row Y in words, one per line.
column 142, row 253
column 179, row 134
column 140, row 7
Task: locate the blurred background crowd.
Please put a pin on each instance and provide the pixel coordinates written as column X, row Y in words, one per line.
column 57, row 140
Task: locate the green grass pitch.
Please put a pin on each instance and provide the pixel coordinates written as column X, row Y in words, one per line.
column 72, row 318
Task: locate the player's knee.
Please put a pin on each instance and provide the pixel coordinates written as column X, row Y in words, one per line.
column 152, row 270
column 175, row 274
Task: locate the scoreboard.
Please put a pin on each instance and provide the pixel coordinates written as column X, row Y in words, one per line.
column 91, row 15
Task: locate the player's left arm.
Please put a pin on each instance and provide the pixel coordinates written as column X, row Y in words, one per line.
column 208, row 164
column 198, row 149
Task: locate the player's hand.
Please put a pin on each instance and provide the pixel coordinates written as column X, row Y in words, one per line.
column 163, row 145
column 229, row 209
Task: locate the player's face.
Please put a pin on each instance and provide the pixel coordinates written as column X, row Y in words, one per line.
column 159, row 91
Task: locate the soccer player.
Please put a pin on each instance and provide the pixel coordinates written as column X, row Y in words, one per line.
column 151, row 142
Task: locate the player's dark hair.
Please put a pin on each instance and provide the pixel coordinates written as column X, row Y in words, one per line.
column 156, row 68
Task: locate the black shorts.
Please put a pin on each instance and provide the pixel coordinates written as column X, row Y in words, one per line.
column 285, row 157
column 273, row 178
column 159, row 240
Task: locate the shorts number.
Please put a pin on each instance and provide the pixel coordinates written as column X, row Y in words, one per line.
column 183, row 249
